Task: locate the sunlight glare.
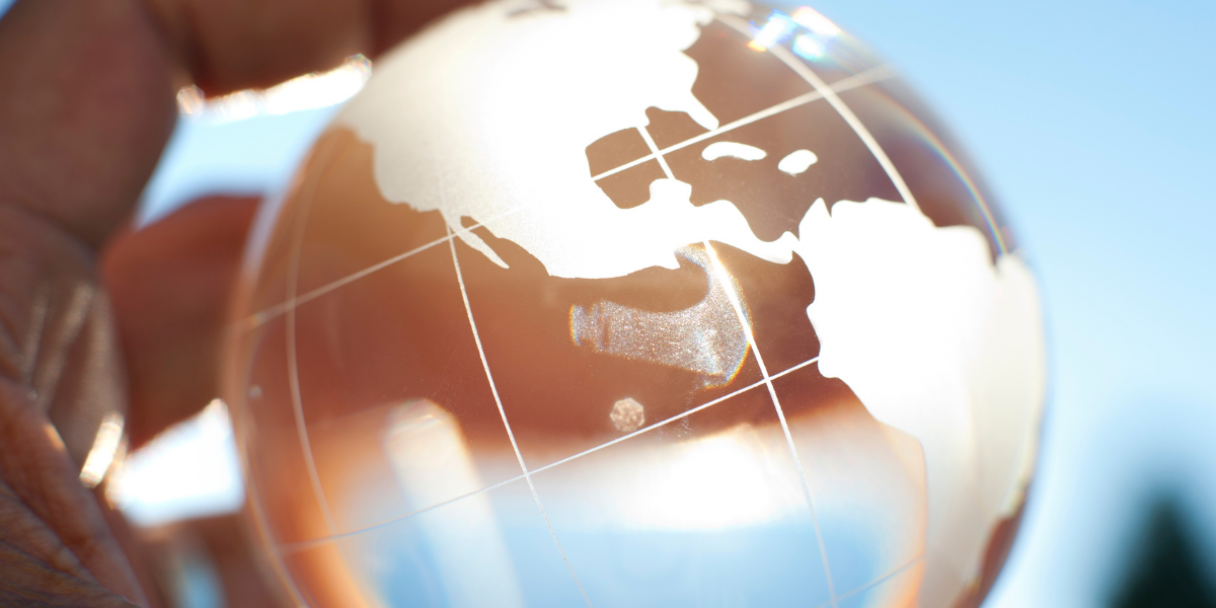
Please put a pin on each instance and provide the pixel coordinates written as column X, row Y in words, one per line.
column 812, row 20
column 776, row 30
column 105, row 446
column 308, row 92
column 189, row 470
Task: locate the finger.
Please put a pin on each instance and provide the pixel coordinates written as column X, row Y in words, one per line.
column 232, row 44
column 50, row 516
column 35, row 564
column 170, row 283
column 56, row 363
column 26, row 581
column 90, row 86
column 88, row 105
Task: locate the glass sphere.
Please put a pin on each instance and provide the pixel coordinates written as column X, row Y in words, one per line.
column 636, row 303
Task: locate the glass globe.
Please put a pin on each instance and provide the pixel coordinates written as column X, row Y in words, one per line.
column 636, row 303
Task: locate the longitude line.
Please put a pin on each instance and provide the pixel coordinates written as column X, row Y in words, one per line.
column 867, row 138
column 680, row 416
column 813, row 79
column 652, row 427
column 785, row 427
column 654, row 151
column 303, row 545
column 822, row 90
column 254, row 497
column 869, row 76
column 293, row 371
column 464, row 294
column 855, row 123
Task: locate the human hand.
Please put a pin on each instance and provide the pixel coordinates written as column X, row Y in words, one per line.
column 94, row 317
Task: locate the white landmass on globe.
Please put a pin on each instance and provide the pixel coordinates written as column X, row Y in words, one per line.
column 705, row 338
column 720, row 149
column 488, row 117
column 937, row 342
column 492, row 115
column 797, row 162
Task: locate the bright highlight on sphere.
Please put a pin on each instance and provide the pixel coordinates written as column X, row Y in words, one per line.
column 636, row 303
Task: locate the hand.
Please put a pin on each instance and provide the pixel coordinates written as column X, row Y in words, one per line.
column 87, row 103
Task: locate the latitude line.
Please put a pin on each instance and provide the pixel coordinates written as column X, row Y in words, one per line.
column 464, row 294
column 894, row 572
column 289, row 308
column 260, row 318
column 307, row 544
column 654, row 151
column 870, row 76
column 785, row 427
column 672, row 419
column 829, row 93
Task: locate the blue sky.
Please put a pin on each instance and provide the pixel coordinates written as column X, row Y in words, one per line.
column 1094, row 122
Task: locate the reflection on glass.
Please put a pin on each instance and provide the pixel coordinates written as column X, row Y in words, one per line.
column 781, row 352
column 105, row 446
column 709, row 483
column 808, row 48
column 308, row 92
column 705, row 338
column 776, row 30
column 628, row 415
column 811, row 19
column 432, row 462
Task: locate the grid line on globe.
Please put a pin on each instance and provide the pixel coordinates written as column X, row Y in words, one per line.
column 299, row 546
column 507, row 423
column 785, row 427
column 822, row 91
column 716, row 267
column 843, row 110
column 870, row 76
column 293, row 374
column 324, row 552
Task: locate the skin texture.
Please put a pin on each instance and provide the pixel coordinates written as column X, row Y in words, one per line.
column 88, row 106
